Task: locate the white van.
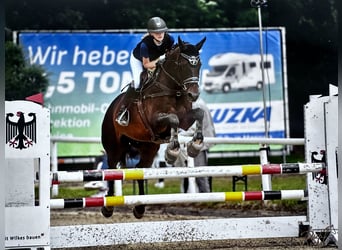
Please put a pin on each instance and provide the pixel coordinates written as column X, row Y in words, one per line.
column 231, row 71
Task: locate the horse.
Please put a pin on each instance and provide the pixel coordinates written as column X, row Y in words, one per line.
column 163, row 105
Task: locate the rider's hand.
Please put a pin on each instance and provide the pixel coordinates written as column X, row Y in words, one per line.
column 160, row 60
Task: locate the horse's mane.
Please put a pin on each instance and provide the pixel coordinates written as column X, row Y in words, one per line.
column 174, row 49
column 188, row 49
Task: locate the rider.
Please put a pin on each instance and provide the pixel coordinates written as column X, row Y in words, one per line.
column 144, row 57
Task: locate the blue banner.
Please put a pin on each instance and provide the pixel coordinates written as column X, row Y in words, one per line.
column 87, row 70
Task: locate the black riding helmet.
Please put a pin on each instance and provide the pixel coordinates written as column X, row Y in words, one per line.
column 156, row 24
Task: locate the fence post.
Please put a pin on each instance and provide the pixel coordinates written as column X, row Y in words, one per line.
column 54, row 165
column 266, row 178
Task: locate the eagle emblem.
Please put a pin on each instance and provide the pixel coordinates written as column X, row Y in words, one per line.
column 320, row 177
column 20, row 133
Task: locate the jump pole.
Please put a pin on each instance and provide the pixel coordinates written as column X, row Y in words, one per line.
column 112, row 201
column 182, row 139
column 184, row 172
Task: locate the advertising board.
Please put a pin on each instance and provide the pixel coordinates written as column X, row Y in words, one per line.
column 87, row 70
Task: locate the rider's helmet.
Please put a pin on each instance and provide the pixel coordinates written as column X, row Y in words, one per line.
column 156, row 24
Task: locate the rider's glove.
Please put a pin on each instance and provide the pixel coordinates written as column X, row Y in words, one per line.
column 161, row 60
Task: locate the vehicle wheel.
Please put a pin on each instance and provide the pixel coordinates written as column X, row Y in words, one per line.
column 259, row 85
column 226, row 88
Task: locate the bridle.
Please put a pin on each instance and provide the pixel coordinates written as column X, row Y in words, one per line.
column 193, row 60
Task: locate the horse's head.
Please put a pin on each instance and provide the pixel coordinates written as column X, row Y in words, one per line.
column 183, row 65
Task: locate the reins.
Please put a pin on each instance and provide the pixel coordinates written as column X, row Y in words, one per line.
column 166, row 91
column 172, row 78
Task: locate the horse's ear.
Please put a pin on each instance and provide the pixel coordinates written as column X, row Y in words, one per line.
column 180, row 43
column 200, row 44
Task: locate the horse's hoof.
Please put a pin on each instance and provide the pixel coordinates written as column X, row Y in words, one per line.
column 138, row 211
column 107, row 211
column 193, row 149
column 171, row 155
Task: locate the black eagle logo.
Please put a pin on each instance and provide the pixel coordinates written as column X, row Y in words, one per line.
column 20, row 134
column 321, row 176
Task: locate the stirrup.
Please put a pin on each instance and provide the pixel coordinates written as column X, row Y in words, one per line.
column 120, row 119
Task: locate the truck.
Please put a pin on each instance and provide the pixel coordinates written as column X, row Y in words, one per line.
column 238, row 71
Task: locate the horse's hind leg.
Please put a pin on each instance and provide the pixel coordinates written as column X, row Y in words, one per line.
column 139, row 210
column 147, row 152
column 108, row 211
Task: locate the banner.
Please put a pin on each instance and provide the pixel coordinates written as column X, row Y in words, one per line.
column 87, row 70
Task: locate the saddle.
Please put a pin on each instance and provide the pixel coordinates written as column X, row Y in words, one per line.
column 147, row 77
column 146, row 80
column 144, row 77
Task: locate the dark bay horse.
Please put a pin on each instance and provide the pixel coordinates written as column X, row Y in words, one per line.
column 164, row 105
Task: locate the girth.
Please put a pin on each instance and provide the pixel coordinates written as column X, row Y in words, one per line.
column 164, row 91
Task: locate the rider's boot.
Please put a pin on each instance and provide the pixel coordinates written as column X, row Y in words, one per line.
column 123, row 115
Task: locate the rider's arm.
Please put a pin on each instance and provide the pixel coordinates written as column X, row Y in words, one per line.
column 150, row 65
column 147, row 64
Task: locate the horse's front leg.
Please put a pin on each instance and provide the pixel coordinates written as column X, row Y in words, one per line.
column 195, row 145
column 173, row 148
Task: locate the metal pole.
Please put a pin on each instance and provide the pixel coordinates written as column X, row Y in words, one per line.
column 262, row 71
column 258, row 4
column 266, row 179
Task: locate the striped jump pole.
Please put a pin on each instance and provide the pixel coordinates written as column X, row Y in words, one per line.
column 113, row 201
column 178, row 172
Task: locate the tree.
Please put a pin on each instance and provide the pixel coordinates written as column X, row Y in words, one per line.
column 22, row 79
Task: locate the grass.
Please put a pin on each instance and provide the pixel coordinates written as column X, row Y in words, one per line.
column 74, row 192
